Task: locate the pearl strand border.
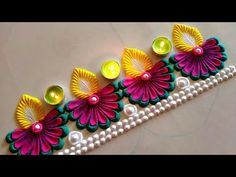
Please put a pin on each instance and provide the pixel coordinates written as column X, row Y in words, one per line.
column 149, row 112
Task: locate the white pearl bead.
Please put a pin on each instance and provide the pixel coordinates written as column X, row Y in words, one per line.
column 211, row 85
column 78, row 152
column 133, row 124
column 153, row 108
column 97, row 143
column 127, row 127
column 119, row 124
column 113, row 127
column 96, row 137
column 78, row 146
column 225, row 77
column 66, row 151
column 75, row 137
column 182, row 82
column 103, row 140
column 167, row 107
column 108, row 137
column 217, row 75
column 72, row 148
column 158, row 105
column 179, row 101
column 102, row 134
column 147, row 111
column 181, row 93
column 175, row 96
column 131, row 119
column 215, row 82
column 232, row 68
column 197, row 85
column 187, row 90
column 162, row 109
column 192, row 88
column 195, row 93
column 72, row 153
column 91, row 146
column 184, row 99
column 114, row 134
column 170, row 98
column 84, row 142
column 227, row 70
column 230, row 75
column 220, row 79
column 144, row 118
column 157, row 111
column 222, row 73
column 108, row 131
column 151, row 115
column 164, row 102
column 205, row 87
column 173, row 104
column 199, row 90
column 130, row 109
column 202, row 83
column 208, row 80
column 136, row 116
column 189, row 96
column 141, row 114
column 139, row 121
column 234, row 72
column 121, row 131
column 60, row 153
column 212, row 77
column 90, row 140
column 125, row 121
column 84, row 149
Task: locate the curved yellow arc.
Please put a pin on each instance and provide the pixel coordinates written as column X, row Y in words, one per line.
column 28, row 103
column 130, row 54
column 178, row 41
column 83, row 74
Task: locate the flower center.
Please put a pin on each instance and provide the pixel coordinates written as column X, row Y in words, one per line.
column 93, row 99
column 37, row 127
column 197, row 51
column 146, row 76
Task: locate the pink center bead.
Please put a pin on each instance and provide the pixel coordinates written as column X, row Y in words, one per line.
column 93, row 99
column 146, row 76
column 197, row 51
column 37, row 127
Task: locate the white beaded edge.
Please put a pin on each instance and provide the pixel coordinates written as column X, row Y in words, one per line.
column 149, row 112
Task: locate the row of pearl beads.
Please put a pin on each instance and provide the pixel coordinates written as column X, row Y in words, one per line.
column 147, row 113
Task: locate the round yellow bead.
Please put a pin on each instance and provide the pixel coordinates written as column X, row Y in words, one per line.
column 110, row 69
column 161, row 46
column 54, row 95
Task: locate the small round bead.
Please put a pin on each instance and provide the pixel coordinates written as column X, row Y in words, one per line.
column 222, row 73
column 189, row 96
column 157, row 111
column 152, row 108
column 199, row 90
column 78, row 146
column 147, row 111
column 60, row 153
column 167, row 106
column 108, row 137
column 72, row 148
column 170, row 98
column 175, row 96
column 195, row 93
column 215, row 82
column 114, row 134
column 179, row 101
column 84, row 149
column 212, row 77
column 66, row 151
column 158, row 105
column 173, row 104
column 210, row 84
column 184, row 99
column 141, row 114
column 91, row 146
column 97, row 143
column 119, row 124
column 208, row 80
column 187, row 90
column 108, row 131
column 96, row 137
column 220, row 79
column 164, row 102
column 130, row 109
column 144, row 118
column 202, row 83
column 125, row 122
column 133, row 124
column 90, row 139
column 130, row 119
column 121, row 130
column 103, row 140
column 139, row 121
column 136, row 116
column 127, row 127
column 192, row 88
column 230, row 75
column 217, row 75
column 232, row 68
column 181, row 93
column 197, row 85
column 72, row 153
column 205, row 87
column 162, row 109
column 227, row 70
column 113, row 127
column 151, row 115
column 78, row 152
column 84, row 142
column 102, row 134
column 234, row 72
column 225, row 77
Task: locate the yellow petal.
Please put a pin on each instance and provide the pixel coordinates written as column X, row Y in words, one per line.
column 83, row 83
column 181, row 33
column 133, row 59
column 28, row 111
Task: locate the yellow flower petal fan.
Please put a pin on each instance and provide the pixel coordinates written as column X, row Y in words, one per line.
column 83, row 78
column 131, row 54
column 28, row 111
column 178, row 37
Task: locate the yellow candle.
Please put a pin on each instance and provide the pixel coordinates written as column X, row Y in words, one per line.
column 110, row 69
column 54, row 95
column 161, row 46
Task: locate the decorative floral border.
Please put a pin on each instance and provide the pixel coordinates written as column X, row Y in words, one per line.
column 149, row 112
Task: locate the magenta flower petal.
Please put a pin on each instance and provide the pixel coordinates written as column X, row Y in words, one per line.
column 23, row 139
column 27, row 146
column 36, row 148
column 57, row 132
column 166, row 77
column 45, row 146
column 18, row 133
column 110, row 98
column 79, row 110
column 106, row 90
column 74, row 104
column 84, row 115
column 111, row 105
column 94, row 116
column 209, row 65
column 127, row 82
column 196, row 70
column 53, row 140
column 51, row 115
